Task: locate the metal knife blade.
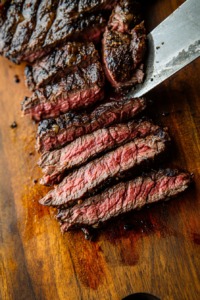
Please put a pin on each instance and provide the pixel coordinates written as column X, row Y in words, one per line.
column 171, row 46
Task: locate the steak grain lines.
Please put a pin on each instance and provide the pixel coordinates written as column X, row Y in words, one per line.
column 87, row 147
column 88, row 178
column 124, row 197
column 55, row 133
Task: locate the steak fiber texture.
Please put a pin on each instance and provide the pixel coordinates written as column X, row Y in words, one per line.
column 74, row 91
column 124, row 45
column 124, row 197
column 30, row 28
column 112, row 165
column 55, row 163
column 55, row 133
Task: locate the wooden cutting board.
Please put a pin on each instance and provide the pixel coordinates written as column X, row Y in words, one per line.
column 160, row 256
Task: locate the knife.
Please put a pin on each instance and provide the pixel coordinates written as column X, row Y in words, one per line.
column 171, row 46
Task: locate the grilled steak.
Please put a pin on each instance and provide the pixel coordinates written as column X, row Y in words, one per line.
column 55, row 133
column 59, row 63
column 123, row 198
column 31, row 27
column 124, row 45
column 85, row 148
column 88, row 178
column 75, row 91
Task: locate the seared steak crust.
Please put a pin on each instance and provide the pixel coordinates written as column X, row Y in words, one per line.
column 89, row 146
column 138, row 44
column 7, row 30
column 123, row 198
column 60, row 62
column 55, row 133
column 75, row 91
column 32, row 27
column 124, row 45
column 81, row 182
column 117, row 55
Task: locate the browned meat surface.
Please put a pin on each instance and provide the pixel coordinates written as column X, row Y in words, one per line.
column 125, row 16
column 75, row 91
column 123, row 198
column 112, row 165
column 31, row 27
column 138, row 44
column 55, row 133
column 74, row 12
column 89, row 146
column 8, row 28
column 59, row 63
column 124, row 45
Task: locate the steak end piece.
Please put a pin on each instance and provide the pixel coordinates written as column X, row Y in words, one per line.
column 124, row 45
column 56, row 133
column 74, row 91
column 113, row 165
column 122, row 56
column 124, row 197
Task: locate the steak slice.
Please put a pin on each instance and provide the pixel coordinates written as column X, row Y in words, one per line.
column 124, row 47
column 75, row 91
column 88, row 178
column 89, row 146
column 46, row 14
column 59, row 63
column 32, row 27
column 25, row 28
column 55, row 133
column 7, row 30
column 123, row 198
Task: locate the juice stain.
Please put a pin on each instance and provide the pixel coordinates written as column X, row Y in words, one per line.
column 125, row 233
column 87, row 258
column 34, row 212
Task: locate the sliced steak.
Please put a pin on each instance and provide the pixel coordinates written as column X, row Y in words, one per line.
column 124, row 45
column 32, row 27
column 59, row 63
column 89, row 146
column 123, row 198
column 55, row 133
column 88, row 178
column 75, row 91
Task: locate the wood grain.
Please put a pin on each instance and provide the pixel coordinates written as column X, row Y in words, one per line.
column 161, row 256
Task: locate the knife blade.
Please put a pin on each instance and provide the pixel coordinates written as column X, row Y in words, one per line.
column 172, row 45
